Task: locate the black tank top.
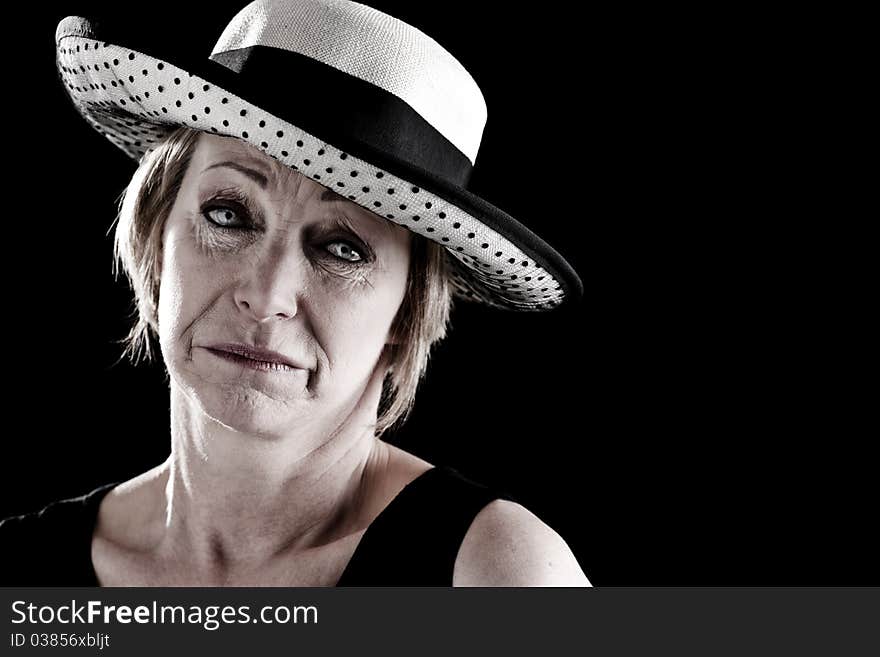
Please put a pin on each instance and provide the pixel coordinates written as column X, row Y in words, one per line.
column 412, row 542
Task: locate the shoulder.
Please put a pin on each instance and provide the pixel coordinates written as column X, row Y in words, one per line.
column 15, row 528
column 22, row 541
column 38, row 546
column 508, row 545
column 61, row 515
column 31, row 524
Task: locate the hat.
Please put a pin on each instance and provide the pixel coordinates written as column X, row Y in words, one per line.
column 350, row 97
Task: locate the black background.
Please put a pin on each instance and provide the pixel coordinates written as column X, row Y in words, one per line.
column 696, row 419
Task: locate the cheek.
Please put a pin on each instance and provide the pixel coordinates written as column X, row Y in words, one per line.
column 358, row 324
column 184, row 286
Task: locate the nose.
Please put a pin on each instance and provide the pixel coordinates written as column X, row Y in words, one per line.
column 271, row 287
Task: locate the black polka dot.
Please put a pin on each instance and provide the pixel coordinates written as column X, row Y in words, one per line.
column 525, row 263
column 416, row 217
column 225, row 123
column 445, row 239
column 321, row 152
column 343, row 156
column 279, row 134
column 244, row 134
column 177, row 102
column 354, row 174
column 390, row 216
column 131, row 78
column 470, row 236
column 415, row 190
column 307, row 162
column 115, row 62
column 379, row 174
column 284, row 153
column 442, row 215
column 430, row 229
column 176, row 80
column 316, row 176
column 191, row 95
column 377, row 204
column 161, row 88
column 428, row 205
column 340, row 184
column 224, row 101
column 511, row 260
column 195, row 118
column 262, row 124
column 264, row 144
column 458, row 248
column 160, row 66
column 206, row 87
column 242, row 113
column 207, row 110
column 131, row 55
column 402, row 207
column 122, row 102
column 484, row 245
column 144, row 71
column 456, row 225
column 329, row 169
column 299, row 143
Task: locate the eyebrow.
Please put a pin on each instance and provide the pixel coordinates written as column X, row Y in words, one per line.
column 327, row 195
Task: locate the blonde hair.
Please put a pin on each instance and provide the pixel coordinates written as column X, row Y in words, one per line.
column 145, row 204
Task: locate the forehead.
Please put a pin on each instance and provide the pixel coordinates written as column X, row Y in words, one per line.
column 238, row 158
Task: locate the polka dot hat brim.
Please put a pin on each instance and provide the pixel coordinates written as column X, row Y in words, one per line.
column 394, row 143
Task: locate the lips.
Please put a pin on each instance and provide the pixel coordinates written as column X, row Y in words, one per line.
column 255, row 353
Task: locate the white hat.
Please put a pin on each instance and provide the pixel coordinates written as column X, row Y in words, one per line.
column 353, row 98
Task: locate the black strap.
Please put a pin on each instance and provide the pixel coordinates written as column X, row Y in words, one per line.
column 415, row 540
column 52, row 547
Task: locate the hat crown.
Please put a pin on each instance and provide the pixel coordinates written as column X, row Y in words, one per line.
column 374, row 47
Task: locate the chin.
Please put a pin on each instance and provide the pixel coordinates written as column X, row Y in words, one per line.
column 244, row 409
column 237, row 403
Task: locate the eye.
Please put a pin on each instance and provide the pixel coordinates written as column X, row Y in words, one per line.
column 344, row 251
column 224, row 217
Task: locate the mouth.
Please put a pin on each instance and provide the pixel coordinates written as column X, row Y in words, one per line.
column 254, row 358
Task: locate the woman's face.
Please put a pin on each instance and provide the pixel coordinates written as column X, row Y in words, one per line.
column 256, row 254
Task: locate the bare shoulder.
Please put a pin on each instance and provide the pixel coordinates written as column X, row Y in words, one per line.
column 131, row 508
column 508, row 545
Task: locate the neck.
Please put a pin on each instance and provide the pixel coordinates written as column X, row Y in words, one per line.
column 235, row 501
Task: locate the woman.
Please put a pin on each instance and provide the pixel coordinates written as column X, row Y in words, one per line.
column 296, row 284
